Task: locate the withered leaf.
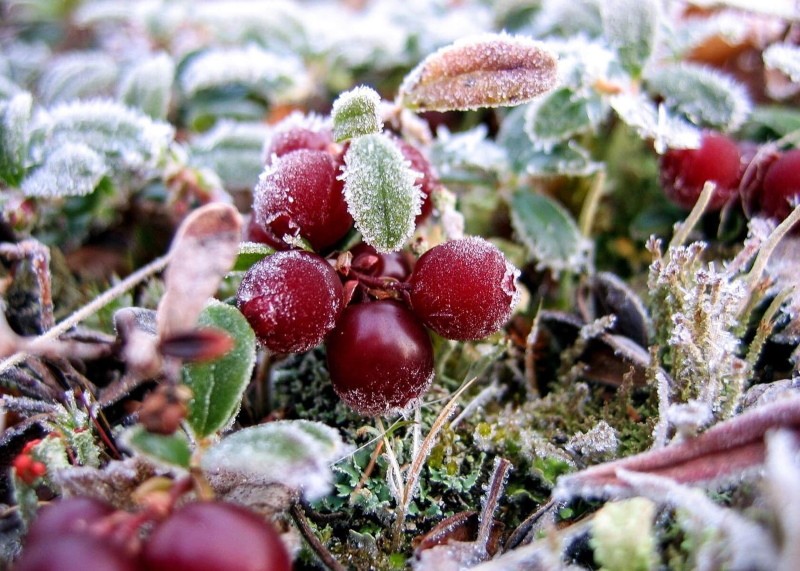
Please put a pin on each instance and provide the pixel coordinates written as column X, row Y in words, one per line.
column 202, row 252
column 489, row 70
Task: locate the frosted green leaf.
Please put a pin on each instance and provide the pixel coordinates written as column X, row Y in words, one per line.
column 703, row 95
column 172, row 449
column 468, row 154
column 356, row 112
column 297, row 454
column 785, row 58
column 217, row 386
column 148, row 86
column 15, row 116
column 565, row 158
column 560, row 115
column 489, row 70
column 249, row 253
column 77, row 75
column 271, row 75
column 667, row 131
column 125, row 138
column 622, row 535
column 567, row 19
column 548, row 231
column 631, row 28
column 233, row 150
column 73, row 169
column 380, row 190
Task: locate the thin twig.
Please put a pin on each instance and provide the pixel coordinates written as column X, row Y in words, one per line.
column 589, row 210
column 684, row 228
column 496, row 486
column 325, row 556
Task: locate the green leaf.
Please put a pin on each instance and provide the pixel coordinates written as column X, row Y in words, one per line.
column 778, row 120
column 380, row 190
column 234, row 150
column 148, row 86
column 703, row 95
column 73, row 169
column 622, row 535
column 170, row 449
column 15, row 115
column 489, row 70
column 651, row 122
column 631, row 28
column 296, row 454
column 355, row 113
column 217, row 387
column 548, row 231
column 785, row 58
column 560, row 115
column 249, row 254
column 566, row 158
column 469, row 155
column 77, row 75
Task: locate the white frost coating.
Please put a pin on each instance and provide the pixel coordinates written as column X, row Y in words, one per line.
column 356, row 112
column 148, row 85
column 381, row 192
column 653, row 123
column 268, row 72
column 784, row 57
column 77, row 74
column 72, row 170
column 295, row 120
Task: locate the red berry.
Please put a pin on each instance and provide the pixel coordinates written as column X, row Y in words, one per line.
column 291, row 300
column 427, row 181
column 214, row 536
column 392, row 265
column 380, row 357
column 684, row 172
column 66, row 516
column 300, row 196
column 463, row 289
column 781, row 185
column 74, row 552
column 297, row 132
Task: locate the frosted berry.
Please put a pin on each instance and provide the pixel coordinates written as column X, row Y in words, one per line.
column 66, row 516
column 295, row 134
column 291, row 300
column 214, row 536
column 463, row 289
column 75, row 552
column 427, row 181
column 380, row 357
column 684, row 172
column 300, row 196
column 371, row 262
column 781, row 184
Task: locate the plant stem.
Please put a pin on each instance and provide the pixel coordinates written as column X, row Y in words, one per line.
column 685, row 227
column 496, row 486
column 300, row 519
column 589, row 209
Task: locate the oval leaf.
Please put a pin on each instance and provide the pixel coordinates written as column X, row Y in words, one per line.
column 486, row 71
column 217, row 386
column 249, row 253
column 356, row 113
column 15, row 116
column 170, row 449
column 148, row 86
column 380, row 190
column 296, row 454
column 72, row 170
column 631, row 27
column 548, row 231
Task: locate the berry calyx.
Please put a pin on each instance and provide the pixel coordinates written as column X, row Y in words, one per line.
column 214, row 536
column 781, row 185
column 368, row 260
column 684, row 172
column 291, row 300
column 380, row 357
column 300, row 196
column 464, row 289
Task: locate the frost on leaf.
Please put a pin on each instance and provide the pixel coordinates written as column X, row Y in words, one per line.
column 655, row 123
column 233, row 150
column 703, row 95
column 562, row 114
column 467, row 154
column 631, row 28
column 148, row 86
column 622, row 535
column 14, row 118
column 785, row 58
column 356, row 112
column 266, row 73
column 380, row 190
column 489, row 70
column 71, row 170
column 77, row 75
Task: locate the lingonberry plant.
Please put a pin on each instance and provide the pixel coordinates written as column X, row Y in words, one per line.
column 377, row 285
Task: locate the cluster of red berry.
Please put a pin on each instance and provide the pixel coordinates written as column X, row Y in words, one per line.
column 81, row 534
column 765, row 179
column 371, row 309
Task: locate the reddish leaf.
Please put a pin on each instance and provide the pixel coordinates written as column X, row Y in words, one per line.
column 204, row 344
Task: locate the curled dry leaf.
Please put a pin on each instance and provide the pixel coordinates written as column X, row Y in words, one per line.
column 490, row 70
column 203, row 251
column 723, row 452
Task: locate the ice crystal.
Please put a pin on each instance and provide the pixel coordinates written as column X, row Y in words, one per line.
column 380, row 190
column 355, row 113
column 73, row 169
column 785, row 58
column 456, row 155
column 653, row 122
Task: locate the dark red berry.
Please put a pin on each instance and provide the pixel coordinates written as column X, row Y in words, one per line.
column 368, row 260
column 214, row 536
column 297, row 132
column 380, row 357
column 301, row 196
column 427, row 181
column 684, row 172
column 66, row 516
column 463, row 289
column 75, row 552
column 291, row 300
column 781, row 185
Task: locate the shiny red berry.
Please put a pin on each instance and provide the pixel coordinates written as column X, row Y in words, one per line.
column 367, row 259
column 75, row 552
column 380, row 357
column 427, row 181
column 464, row 289
column 291, row 300
column 781, row 185
column 296, row 133
column 300, row 196
column 214, row 536
column 66, row 516
column 684, row 172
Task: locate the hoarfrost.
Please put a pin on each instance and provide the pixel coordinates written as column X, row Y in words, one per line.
column 653, row 122
column 148, row 85
column 356, row 113
column 599, row 442
column 77, row 75
column 73, row 169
